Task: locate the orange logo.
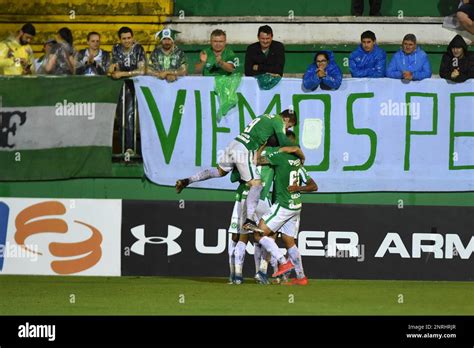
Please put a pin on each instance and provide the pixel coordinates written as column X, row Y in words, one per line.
column 28, row 223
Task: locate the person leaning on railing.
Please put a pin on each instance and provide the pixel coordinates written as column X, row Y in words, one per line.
column 368, row 60
column 267, row 56
column 128, row 60
column 16, row 55
column 128, row 56
column 167, row 61
column 410, row 62
column 457, row 64
column 217, row 59
column 323, row 72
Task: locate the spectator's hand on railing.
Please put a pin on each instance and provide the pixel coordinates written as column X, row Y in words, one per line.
column 455, row 74
column 161, row 74
column 408, row 75
column 203, row 56
column 119, row 74
column 171, row 78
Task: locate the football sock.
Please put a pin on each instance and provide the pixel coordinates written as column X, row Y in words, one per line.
column 270, row 245
column 274, row 263
column 295, row 257
column 204, row 175
column 239, row 257
column 252, row 201
column 257, row 255
column 231, row 248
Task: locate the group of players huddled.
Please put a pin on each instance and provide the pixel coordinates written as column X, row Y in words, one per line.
column 265, row 153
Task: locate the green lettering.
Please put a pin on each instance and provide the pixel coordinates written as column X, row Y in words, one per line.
column 360, row 131
column 453, row 134
column 243, row 104
column 326, row 99
column 215, row 129
column 409, row 132
column 197, row 98
column 167, row 140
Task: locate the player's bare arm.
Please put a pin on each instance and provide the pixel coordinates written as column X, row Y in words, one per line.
column 296, row 150
column 310, row 186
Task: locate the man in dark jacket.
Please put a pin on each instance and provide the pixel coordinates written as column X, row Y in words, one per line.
column 265, row 56
column 457, row 63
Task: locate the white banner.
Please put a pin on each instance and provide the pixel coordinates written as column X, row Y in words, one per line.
column 370, row 135
column 60, row 236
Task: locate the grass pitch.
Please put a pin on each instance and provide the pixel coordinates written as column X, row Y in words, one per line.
column 53, row 295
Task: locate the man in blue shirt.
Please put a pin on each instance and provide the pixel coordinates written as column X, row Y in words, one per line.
column 409, row 63
column 368, row 60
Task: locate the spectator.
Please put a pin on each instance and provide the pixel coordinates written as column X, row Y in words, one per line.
column 266, row 55
column 457, row 63
column 465, row 14
column 46, row 49
column 217, row 59
column 358, row 7
column 368, row 60
column 92, row 60
column 167, row 61
column 324, row 71
column 16, row 55
column 60, row 60
column 128, row 57
column 409, row 62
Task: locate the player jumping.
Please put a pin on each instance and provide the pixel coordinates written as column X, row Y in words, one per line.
column 240, row 153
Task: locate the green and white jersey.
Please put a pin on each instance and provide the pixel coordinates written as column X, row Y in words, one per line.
column 266, row 175
column 211, row 68
column 288, row 171
column 260, row 129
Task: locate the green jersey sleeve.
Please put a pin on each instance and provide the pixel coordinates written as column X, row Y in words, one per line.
column 274, row 156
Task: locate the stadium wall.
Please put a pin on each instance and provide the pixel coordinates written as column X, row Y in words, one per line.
column 148, row 238
column 434, row 8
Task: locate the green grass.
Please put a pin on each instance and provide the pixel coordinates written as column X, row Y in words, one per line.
column 51, row 295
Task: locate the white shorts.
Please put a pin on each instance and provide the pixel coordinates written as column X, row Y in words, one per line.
column 237, row 218
column 237, row 155
column 263, row 208
column 239, row 215
column 283, row 220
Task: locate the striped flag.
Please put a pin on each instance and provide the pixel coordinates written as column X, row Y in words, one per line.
column 56, row 128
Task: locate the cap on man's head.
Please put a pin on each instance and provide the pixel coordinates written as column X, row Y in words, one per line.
column 167, row 34
column 410, row 37
column 29, row 28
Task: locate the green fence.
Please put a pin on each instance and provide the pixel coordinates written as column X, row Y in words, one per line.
column 432, row 8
